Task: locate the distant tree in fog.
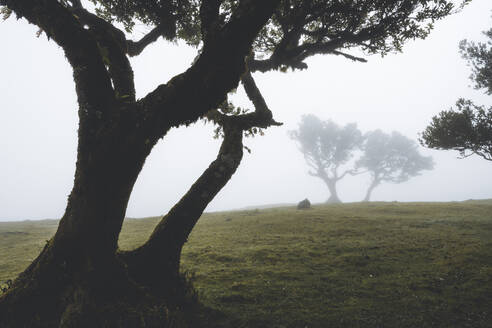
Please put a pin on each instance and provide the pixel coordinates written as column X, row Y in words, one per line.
column 391, row 158
column 468, row 128
column 326, row 147
column 81, row 278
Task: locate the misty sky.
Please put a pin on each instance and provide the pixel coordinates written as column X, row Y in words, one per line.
column 401, row 92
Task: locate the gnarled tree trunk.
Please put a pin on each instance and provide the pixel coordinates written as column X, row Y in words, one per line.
column 79, row 279
column 157, row 261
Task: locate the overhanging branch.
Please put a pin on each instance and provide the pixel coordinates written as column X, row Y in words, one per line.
column 188, row 96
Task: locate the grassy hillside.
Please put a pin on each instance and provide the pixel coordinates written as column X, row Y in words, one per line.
column 349, row 265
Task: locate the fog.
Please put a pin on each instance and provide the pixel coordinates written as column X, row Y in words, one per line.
column 400, row 92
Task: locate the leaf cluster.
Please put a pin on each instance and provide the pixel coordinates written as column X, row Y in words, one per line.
column 5, row 286
column 300, row 29
column 467, row 129
column 5, row 12
column 324, row 144
column 228, row 109
column 392, row 157
column 177, row 19
column 479, row 57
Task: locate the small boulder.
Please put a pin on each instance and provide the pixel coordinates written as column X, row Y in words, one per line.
column 304, row 204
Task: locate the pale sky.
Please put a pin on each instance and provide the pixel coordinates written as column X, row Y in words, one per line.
column 401, row 92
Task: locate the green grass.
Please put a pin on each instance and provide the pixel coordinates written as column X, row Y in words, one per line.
column 348, row 265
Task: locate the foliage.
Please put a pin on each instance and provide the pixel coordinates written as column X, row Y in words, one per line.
column 468, row 128
column 117, row 131
column 5, row 12
column 352, row 265
column 4, row 286
column 326, row 147
column 479, row 57
column 297, row 29
column 391, row 158
column 176, row 18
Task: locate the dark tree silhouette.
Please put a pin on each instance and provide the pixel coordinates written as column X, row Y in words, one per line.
column 80, row 279
column 468, row 128
column 326, row 147
column 391, row 158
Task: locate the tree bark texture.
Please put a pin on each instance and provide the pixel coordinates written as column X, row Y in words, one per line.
column 157, row 261
column 80, row 279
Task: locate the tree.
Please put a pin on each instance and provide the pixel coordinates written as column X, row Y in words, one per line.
column 391, row 158
column 326, row 147
column 468, row 128
column 80, row 279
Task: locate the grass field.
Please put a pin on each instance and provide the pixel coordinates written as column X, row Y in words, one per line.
column 348, row 265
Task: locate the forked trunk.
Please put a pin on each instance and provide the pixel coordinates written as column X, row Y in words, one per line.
column 79, row 279
column 156, row 263
column 76, row 281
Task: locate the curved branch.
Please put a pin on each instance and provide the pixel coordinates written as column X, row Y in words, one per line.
column 160, row 254
column 94, row 90
column 349, row 56
column 294, row 58
column 262, row 116
column 188, row 96
column 173, row 230
column 113, row 49
column 135, row 48
column 290, row 54
column 351, row 172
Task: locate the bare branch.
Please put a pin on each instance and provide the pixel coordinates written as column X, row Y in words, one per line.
column 351, row 57
column 135, row 48
column 262, row 116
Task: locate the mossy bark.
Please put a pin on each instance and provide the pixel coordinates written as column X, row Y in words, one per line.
column 77, row 281
column 157, row 261
column 80, row 279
